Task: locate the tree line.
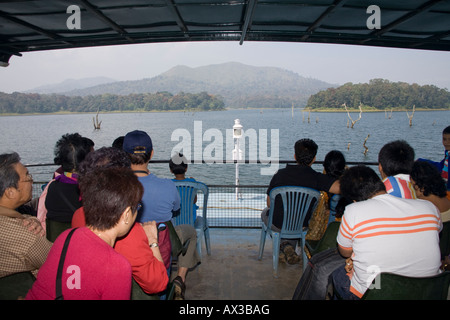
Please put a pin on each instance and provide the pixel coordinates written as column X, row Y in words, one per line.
column 161, row 101
column 381, row 94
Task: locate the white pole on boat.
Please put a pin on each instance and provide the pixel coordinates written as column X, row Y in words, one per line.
column 237, row 152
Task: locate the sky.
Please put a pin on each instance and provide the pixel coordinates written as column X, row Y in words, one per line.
column 336, row 64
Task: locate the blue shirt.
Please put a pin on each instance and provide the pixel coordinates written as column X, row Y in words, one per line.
column 440, row 166
column 160, row 198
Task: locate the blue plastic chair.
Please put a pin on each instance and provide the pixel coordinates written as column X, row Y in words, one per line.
column 188, row 191
column 297, row 202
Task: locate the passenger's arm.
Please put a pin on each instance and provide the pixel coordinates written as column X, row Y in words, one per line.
column 33, row 225
column 146, row 263
column 152, row 235
column 335, row 187
column 345, row 252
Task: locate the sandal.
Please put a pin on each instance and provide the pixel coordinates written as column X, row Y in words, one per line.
column 291, row 255
column 180, row 288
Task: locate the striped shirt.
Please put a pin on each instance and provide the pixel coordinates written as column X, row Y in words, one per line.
column 390, row 234
column 400, row 186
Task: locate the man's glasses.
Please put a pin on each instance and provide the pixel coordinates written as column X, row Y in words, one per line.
column 29, row 178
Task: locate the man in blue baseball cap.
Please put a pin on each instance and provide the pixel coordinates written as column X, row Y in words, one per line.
column 161, row 198
column 161, row 201
column 138, row 142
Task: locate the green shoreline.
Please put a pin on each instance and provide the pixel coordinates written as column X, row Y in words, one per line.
column 101, row 112
column 195, row 110
column 371, row 110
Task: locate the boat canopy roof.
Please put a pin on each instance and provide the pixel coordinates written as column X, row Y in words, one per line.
column 54, row 24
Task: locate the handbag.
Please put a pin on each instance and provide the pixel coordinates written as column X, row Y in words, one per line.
column 58, row 288
column 319, row 219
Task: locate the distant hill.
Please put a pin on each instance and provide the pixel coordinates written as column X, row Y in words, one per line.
column 240, row 85
column 70, row 85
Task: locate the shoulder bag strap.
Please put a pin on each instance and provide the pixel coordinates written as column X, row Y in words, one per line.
column 58, row 289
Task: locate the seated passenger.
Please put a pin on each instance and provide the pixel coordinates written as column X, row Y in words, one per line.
column 333, row 166
column 61, row 197
column 430, row 185
column 395, row 161
column 146, row 262
column 92, row 269
column 89, row 144
column 178, row 166
column 442, row 166
column 383, row 233
column 23, row 246
column 161, row 198
column 300, row 174
column 118, row 142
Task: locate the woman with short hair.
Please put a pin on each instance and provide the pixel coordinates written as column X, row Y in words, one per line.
column 92, row 269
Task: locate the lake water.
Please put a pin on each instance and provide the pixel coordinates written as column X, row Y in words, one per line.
column 271, row 135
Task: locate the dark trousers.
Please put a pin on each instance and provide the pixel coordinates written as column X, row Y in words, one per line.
column 341, row 284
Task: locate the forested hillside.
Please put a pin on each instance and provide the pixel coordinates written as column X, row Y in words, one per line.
column 240, row 85
column 381, row 94
column 160, row 101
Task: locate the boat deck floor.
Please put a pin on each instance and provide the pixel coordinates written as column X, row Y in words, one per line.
column 233, row 271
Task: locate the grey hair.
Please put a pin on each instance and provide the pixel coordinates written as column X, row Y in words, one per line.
column 8, row 174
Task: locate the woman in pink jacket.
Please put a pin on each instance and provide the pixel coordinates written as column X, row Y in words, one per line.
column 92, row 269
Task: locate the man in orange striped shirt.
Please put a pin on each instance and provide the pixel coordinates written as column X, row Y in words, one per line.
column 383, row 233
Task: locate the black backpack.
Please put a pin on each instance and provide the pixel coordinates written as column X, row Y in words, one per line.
column 315, row 279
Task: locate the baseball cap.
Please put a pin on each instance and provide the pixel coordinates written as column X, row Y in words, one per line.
column 137, row 138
